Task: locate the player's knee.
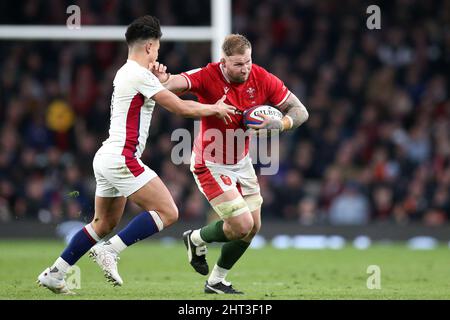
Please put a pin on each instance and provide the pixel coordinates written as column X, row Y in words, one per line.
column 243, row 228
column 255, row 230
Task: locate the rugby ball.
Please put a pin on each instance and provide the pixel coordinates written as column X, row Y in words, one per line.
column 251, row 116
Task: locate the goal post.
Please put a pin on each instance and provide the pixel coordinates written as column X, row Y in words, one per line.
column 215, row 33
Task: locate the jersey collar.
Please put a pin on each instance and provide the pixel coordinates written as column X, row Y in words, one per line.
column 223, row 73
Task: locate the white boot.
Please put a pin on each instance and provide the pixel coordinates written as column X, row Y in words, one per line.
column 107, row 260
column 54, row 281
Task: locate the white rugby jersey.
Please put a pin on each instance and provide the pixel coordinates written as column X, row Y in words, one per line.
column 131, row 110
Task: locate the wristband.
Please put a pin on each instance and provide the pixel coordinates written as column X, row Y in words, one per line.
column 291, row 123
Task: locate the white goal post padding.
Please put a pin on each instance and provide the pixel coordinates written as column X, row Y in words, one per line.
column 220, row 27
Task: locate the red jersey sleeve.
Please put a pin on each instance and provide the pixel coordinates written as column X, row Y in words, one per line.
column 195, row 79
column 276, row 91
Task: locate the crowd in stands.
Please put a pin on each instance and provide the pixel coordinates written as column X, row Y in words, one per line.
column 376, row 147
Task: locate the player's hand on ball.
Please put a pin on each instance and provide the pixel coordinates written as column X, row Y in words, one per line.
column 160, row 71
column 224, row 110
column 268, row 124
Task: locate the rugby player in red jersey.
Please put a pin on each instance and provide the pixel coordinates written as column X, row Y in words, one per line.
column 223, row 170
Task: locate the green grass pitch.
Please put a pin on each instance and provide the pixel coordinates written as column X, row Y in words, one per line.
column 155, row 271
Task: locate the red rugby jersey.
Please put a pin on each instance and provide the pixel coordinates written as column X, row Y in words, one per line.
column 209, row 84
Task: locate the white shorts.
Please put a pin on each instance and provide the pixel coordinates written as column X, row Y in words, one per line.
column 213, row 179
column 118, row 176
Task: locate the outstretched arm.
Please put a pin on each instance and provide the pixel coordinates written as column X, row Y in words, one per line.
column 175, row 83
column 189, row 108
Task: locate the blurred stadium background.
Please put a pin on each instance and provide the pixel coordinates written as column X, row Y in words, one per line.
column 373, row 158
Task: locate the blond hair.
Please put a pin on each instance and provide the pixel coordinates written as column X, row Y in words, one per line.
column 235, row 44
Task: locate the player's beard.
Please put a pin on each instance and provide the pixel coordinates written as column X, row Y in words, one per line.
column 240, row 78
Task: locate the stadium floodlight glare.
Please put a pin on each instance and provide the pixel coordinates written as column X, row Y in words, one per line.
column 220, row 27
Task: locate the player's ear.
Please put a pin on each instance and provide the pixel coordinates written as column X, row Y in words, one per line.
column 148, row 47
column 222, row 61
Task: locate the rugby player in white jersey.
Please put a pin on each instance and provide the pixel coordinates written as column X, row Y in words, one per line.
column 119, row 172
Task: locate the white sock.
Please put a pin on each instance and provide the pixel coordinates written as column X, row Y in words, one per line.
column 116, row 244
column 196, row 238
column 61, row 265
column 217, row 275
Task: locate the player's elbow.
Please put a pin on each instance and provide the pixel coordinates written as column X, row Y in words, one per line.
column 305, row 115
column 301, row 115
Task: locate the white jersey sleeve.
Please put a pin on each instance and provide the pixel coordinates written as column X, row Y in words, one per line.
column 148, row 84
column 131, row 110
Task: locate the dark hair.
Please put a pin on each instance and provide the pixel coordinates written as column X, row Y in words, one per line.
column 143, row 28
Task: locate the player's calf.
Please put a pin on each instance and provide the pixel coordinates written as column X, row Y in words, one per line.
column 103, row 226
column 155, row 197
column 170, row 216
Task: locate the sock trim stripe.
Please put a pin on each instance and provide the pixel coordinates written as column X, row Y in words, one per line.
column 89, row 236
column 89, row 231
column 154, row 223
column 92, row 232
column 158, row 222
